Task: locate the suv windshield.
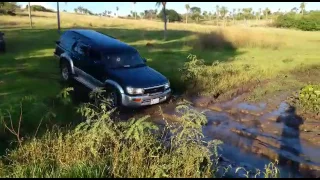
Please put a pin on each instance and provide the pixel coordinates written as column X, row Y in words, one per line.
column 123, row 60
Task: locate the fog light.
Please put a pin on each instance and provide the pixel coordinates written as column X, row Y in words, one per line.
column 137, row 99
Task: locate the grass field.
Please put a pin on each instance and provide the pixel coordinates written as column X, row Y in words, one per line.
column 28, row 67
column 283, row 60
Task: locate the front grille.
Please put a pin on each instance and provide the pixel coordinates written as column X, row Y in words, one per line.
column 154, row 90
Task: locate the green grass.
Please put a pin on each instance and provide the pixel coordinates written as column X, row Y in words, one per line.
column 29, row 68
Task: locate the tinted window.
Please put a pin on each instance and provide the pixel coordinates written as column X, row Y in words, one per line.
column 67, row 40
column 125, row 59
column 95, row 55
column 80, row 48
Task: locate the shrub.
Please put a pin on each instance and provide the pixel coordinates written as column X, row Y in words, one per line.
column 309, row 22
column 101, row 147
column 309, row 98
column 213, row 79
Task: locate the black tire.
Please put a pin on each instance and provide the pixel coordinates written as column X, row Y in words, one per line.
column 65, row 71
column 113, row 95
column 3, row 48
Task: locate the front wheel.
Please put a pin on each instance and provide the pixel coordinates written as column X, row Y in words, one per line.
column 113, row 97
column 65, row 72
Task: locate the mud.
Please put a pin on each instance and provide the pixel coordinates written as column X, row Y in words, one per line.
column 255, row 134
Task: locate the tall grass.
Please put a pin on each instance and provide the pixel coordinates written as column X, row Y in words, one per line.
column 238, row 38
column 217, row 78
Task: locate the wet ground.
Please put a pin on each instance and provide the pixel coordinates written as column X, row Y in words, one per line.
column 253, row 134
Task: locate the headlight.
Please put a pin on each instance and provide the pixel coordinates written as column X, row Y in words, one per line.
column 131, row 90
column 167, row 86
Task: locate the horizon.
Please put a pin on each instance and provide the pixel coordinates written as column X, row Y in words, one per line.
column 126, row 7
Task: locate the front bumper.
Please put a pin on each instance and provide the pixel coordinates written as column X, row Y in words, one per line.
column 128, row 101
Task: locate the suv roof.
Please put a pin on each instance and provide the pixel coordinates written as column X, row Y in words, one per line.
column 103, row 42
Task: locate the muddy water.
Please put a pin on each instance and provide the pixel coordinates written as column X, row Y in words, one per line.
column 255, row 135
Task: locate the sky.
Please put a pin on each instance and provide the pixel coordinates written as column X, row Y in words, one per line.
column 126, row 7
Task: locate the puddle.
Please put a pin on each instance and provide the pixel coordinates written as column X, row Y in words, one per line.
column 254, row 136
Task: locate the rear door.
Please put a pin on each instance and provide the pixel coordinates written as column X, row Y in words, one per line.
column 79, row 56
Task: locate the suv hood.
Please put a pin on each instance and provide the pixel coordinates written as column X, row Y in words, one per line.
column 141, row 77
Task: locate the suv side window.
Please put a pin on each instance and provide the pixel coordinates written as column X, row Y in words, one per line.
column 67, row 40
column 95, row 55
column 80, row 48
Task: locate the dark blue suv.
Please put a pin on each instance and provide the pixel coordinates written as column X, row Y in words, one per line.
column 100, row 61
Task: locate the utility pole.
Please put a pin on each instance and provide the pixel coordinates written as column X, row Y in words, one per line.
column 58, row 17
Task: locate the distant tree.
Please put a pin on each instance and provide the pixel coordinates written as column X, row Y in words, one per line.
column 302, row 7
column 134, row 10
column 142, row 15
column 247, row 13
column 205, row 14
column 164, row 17
column 217, row 14
column 294, row 10
column 188, row 9
column 210, row 15
column 233, row 14
column 117, row 8
column 196, row 12
column 266, row 12
column 172, row 15
column 149, row 14
column 223, row 12
column 75, row 10
column 8, row 8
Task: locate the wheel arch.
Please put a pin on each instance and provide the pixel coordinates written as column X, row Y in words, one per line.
column 65, row 58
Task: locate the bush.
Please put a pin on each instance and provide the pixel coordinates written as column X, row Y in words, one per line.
column 213, row 79
column 309, row 98
column 101, row 147
column 309, row 22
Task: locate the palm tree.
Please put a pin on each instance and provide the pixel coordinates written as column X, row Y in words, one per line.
column 233, row 13
column 224, row 12
column 302, row 7
column 187, row 8
column 30, row 15
column 117, row 8
column 266, row 12
column 164, row 17
column 259, row 13
column 217, row 14
column 134, row 10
